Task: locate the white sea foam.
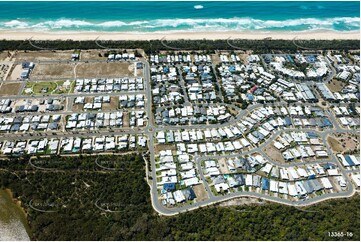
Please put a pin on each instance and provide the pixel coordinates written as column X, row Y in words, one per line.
column 198, row 6
column 121, row 23
column 208, row 24
column 14, row 230
column 16, row 24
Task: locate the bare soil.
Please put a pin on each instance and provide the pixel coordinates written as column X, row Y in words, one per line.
column 274, row 153
column 43, row 55
column 54, row 70
column 223, row 166
column 335, row 85
column 113, row 105
column 8, row 89
column 15, row 72
column 242, row 201
column 200, row 192
column 160, row 147
column 126, row 120
column 110, row 69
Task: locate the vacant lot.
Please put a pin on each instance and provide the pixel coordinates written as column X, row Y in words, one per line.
column 113, row 105
column 110, row 69
column 223, row 167
column 335, row 144
column 54, row 70
column 274, row 153
column 93, row 55
column 343, row 143
column 200, row 192
column 335, row 85
column 160, row 147
column 15, row 72
column 43, row 55
column 8, row 89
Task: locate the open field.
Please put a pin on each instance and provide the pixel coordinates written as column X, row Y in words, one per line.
column 8, row 89
column 111, row 69
column 51, row 71
column 43, row 55
column 335, row 85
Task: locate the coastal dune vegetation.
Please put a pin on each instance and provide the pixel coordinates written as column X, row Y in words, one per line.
column 258, row 46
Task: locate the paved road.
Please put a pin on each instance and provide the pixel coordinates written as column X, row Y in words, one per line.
column 216, row 199
column 150, row 130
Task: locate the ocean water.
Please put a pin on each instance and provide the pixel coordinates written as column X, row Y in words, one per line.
column 179, row 16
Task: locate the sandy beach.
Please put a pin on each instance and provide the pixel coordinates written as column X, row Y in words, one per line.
column 324, row 35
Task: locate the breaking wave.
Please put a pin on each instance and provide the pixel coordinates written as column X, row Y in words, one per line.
column 187, row 24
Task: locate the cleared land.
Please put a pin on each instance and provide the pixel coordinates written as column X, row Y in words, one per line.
column 335, row 85
column 335, row 144
column 242, row 201
column 8, row 89
column 51, row 71
column 113, row 105
column 43, row 55
column 223, row 166
column 160, row 147
column 200, row 192
column 274, row 154
column 15, row 72
column 110, row 69
column 126, row 120
column 93, row 55
column 345, row 143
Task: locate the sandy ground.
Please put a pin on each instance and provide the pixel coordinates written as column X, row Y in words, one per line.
column 13, row 35
column 15, row 72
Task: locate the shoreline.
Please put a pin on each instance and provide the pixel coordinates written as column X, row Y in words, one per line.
column 305, row 35
column 16, row 201
column 23, row 219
